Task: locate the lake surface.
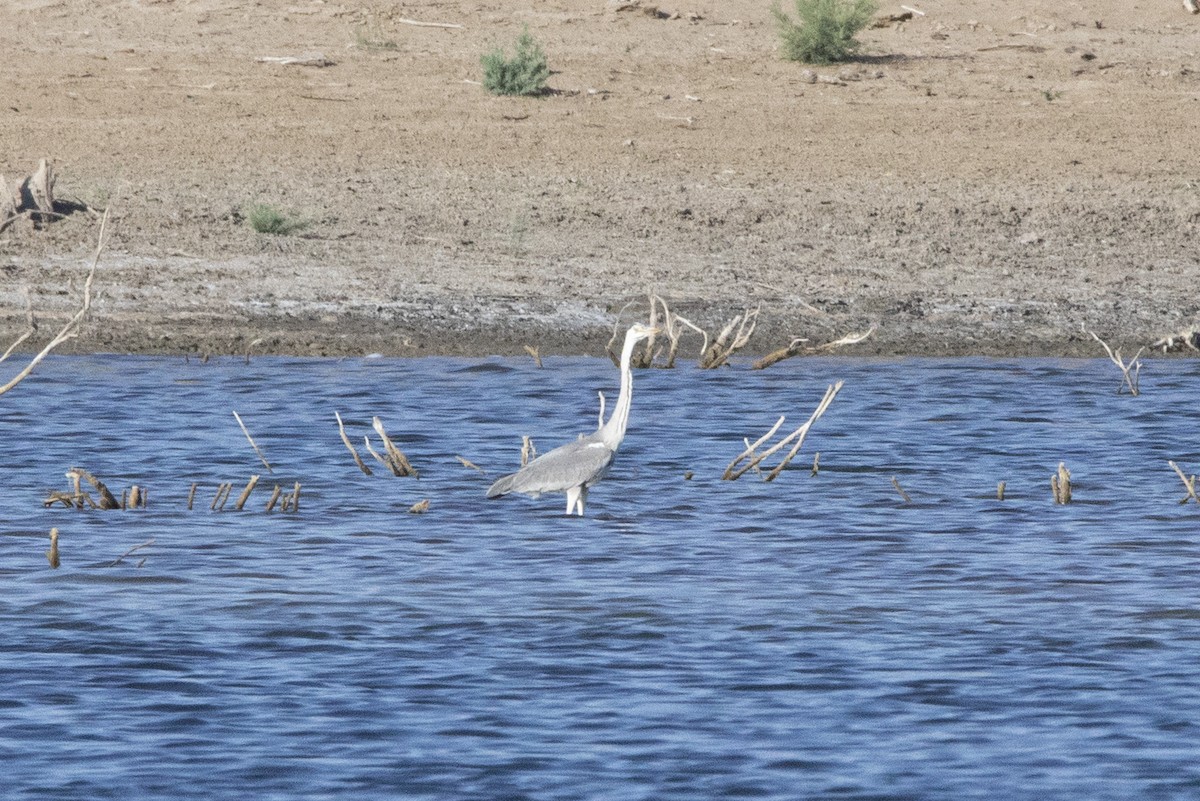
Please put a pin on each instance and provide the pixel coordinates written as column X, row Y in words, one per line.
column 815, row 637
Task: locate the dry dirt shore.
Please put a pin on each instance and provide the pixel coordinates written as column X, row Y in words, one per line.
column 987, row 179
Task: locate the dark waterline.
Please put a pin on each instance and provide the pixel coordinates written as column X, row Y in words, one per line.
column 689, row 639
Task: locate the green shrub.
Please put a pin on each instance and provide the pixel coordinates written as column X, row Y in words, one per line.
column 523, row 74
column 824, row 30
column 267, row 219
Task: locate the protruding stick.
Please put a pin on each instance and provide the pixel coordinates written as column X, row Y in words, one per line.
column 52, row 554
column 900, row 489
column 192, row 495
column 1060, row 483
column 274, row 498
column 218, row 501
column 398, row 461
column 241, row 501
column 1188, row 482
column 118, row 560
column 350, row 447
column 1000, row 491
column 253, row 445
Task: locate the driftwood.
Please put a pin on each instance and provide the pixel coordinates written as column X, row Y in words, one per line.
column 107, row 499
column 733, row 472
column 32, row 197
column 733, row 337
column 71, row 329
column 241, row 501
column 396, row 460
column 52, row 554
column 131, row 551
column 469, row 464
column 800, row 345
column 218, row 501
column 1129, row 372
column 1060, row 484
column 405, row 21
column 900, row 489
column 419, row 508
column 1187, row 338
column 1188, row 481
column 350, row 446
column 253, row 444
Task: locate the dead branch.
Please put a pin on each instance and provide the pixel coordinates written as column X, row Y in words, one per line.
column 241, row 501
column 535, row 354
column 253, row 444
column 379, row 458
column 292, row 501
column 900, row 489
column 52, row 554
column 419, row 508
column 107, row 499
column 1188, row 481
column 71, row 329
column 32, row 197
column 612, row 341
column 1129, row 372
column 528, row 451
column 1187, row 338
column 799, row 345
column 132, row 550
column 733, row 337
column 274, row 498
column 733, row 472
column 428, row 24
column 218, row 501
column 350, row 446
column 644, row 355
column 672, row 326
column 469, row 463
column 397, row 461
column 1060, row 484
column 33, row 326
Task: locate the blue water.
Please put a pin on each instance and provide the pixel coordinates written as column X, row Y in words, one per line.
column 816, row 637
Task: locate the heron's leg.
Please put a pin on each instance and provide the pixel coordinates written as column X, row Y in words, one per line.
column 572, row 499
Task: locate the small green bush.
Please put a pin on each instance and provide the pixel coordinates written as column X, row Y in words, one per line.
column 824, row 30
column 523, row 74
column 267, row 219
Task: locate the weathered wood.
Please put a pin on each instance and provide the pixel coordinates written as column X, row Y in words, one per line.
column 241, row 501
column 350, row 446
column 397, row 461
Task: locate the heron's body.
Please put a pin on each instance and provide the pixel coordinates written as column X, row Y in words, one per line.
column 576, row 466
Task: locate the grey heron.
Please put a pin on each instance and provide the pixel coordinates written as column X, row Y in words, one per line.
column 576, row 466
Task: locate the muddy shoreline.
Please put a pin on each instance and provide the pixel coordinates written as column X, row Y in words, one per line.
column 984, row 182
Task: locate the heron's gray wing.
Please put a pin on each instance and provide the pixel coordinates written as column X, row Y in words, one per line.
column 567, row 466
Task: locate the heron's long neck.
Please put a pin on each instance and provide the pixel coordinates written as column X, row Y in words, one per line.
column 613, row 431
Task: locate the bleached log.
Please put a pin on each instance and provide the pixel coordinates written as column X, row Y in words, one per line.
column 733, row 472
column 350, row 446
column 71, row 329
column 397, row 461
